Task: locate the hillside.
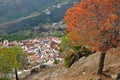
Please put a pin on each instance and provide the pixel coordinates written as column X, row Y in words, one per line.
column 21, row 16
column 84, row 69
column 14, row 9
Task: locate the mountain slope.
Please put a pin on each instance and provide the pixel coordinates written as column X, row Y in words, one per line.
column 84, row 69
column 14, row 9
column 37, row 19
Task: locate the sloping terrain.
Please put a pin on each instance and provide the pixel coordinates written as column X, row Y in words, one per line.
column 84, row 69
column 18, row 16
column 13, row 9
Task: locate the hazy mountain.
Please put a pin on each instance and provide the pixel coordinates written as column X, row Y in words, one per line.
column 13, row 9
column 23, row 16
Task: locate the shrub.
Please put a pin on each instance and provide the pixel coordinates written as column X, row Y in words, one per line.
column 70, row 57
column 82, row 51
column 74, row 54
column 56, row 61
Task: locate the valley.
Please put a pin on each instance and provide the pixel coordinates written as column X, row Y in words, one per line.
column 37, row 18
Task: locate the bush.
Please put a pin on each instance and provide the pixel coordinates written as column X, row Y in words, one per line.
column 56, row 61
column 74, row 54
column 70, row 57
column 67, row 61
column 83, row 51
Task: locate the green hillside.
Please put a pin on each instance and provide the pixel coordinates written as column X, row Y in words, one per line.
column 14, row 9
column 33, row 21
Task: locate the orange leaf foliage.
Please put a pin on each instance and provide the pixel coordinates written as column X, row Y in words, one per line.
column 95, row 23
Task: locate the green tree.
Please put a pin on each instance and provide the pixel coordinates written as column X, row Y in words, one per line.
column 65, row 44
column 12, row 59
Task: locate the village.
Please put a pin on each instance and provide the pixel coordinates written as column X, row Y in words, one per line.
column 40, row 51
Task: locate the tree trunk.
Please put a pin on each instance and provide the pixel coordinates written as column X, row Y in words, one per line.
column 101, row 63
column 16, row 74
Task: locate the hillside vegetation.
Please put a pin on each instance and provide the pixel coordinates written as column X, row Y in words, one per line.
column 14, row 9
column 32, row 16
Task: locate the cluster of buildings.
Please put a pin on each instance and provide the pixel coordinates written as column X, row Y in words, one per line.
column 41, row 50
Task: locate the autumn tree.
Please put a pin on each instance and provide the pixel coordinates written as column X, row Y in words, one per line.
column 12, row 59
column 95, row 23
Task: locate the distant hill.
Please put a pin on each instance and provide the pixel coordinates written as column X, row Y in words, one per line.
column 14, row 9
column 21, row 16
